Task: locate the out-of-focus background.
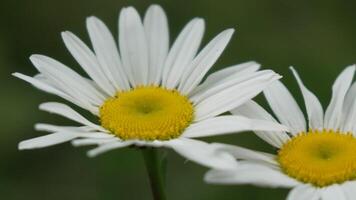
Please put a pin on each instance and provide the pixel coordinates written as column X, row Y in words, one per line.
column 317, row 37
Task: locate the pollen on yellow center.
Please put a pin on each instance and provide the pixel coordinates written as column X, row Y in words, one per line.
column 147, row 113
column 320, row 158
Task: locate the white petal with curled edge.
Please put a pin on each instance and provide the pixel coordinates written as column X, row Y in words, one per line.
column 230, row 124
column 247, row 154
column 202, row 153
column 253, row 174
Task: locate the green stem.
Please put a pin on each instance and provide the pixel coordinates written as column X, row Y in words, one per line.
column 154, row 165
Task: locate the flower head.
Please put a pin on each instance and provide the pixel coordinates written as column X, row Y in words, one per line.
column 148, row 94
column 317, row 160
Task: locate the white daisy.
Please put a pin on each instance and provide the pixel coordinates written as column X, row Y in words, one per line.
column 318, row 162
column 148, row 94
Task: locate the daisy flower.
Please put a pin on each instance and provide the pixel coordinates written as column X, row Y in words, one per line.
column 144, row 93
column 317, row 160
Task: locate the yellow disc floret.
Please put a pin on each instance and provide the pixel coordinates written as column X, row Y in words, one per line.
column 320, row 158
column 147, row 113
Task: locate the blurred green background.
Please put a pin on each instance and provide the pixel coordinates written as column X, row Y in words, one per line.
column 317, row 37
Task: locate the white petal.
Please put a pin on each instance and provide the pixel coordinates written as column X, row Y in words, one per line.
column 333, row 113
column 68, row 112
column 218, row 77
column 88, row 61
column 82, row 131
column 285, row 107
column 235, row 95
column 247, row 154
column 92, row 141
column 107, row 53
column 349, row 110
column 204, row 61
column 304, row 192
column 157, row 34
column 312, row 104
column 53, row 90
column 349, row 189
column 67, row 80
column 55, row 128
column 108, row 147
column 252, row 110
column 47, row 140
column 182, row 52
column 229, row 124
column 133, row 46
column 202, row 153
column 258, row 175
column 332, row 193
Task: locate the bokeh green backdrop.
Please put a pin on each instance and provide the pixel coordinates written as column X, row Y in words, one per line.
column 317, row 37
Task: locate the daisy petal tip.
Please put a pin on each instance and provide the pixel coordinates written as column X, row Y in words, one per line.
column 25, row 146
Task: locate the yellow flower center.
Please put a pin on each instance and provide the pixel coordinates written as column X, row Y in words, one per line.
column 320, row 158
column 147, row 113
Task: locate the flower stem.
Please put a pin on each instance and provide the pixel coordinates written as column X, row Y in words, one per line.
column 154, row 165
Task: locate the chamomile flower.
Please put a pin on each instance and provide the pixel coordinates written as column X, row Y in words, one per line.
column 318, row 162
column 144, row 93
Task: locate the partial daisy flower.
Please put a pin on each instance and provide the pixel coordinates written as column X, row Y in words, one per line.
column 317, row 160
column 148, row 94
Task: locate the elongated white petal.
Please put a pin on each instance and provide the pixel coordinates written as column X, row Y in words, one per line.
column 108, row 147
column 55, row 128
column 52, row 90
column 312, row 104
column 107, row 53
column 333, row 192
column 235, row 95
column 92, row 141
column 333, row 114
column 182, row 52
column 157, row 34
column 88, row 61
column 82, row 131
column 68, row 112
column 349, row 110
column 258, row 175
column 230, row 124
column 133, row 46
column 202, row 153
column 304, row 192
column 218, row 77
column 47, row 140
column 285, row 107
column 66, row 79
column 247, row 154
column 252, row 110
column 204, row 61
